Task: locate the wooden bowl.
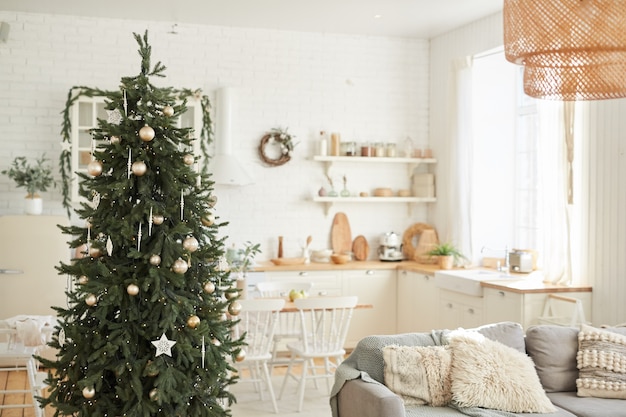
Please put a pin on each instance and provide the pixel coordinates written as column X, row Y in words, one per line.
column 339, row 258
column 382, row 192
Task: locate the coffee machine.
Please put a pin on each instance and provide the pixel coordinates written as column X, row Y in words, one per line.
column 390, row 248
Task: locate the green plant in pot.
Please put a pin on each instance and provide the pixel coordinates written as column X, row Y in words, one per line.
column 447, row 253
column 35, row 178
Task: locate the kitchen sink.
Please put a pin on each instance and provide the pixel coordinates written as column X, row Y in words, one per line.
column 467, row 281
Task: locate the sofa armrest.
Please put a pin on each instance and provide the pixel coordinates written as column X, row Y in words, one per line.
column 358, row 398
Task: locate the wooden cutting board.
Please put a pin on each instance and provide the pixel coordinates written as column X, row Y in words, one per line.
column 340, row 234
column 360, row 248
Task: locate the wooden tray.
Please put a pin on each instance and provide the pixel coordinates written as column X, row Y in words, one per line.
column 287, row 261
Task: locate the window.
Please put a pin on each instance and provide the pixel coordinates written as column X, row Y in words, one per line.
column 518, row 173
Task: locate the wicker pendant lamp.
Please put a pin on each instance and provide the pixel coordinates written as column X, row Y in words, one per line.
column 570, row 49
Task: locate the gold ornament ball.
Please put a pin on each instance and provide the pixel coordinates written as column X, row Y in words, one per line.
column 95, row 168
column 155, row 260
column 95, row 252
column 234, row 308
column 180, row 266
column 212, row 201
column 241, row 355
column 82, row 280
column 151, row 369
column 216, row 342
column 132, row 289
column 193, row 321
column 168, row 111
column 115, row 140
column 231, row 293
column 209, row 287
column 154, row 394
column 208, row 220
column 89, row 392
column 139, row 168
column 146, row 133
column 91, row 300
column 189, row 159
column 158, row 219
column 191, row 244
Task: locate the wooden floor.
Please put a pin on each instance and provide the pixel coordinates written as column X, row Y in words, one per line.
column 16, row 380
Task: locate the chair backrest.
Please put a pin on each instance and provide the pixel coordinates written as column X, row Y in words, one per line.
column 325, row 322
column 257, row 321
column 281, row 288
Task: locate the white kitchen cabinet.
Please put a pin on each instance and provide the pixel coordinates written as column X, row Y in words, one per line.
column 526, row 308
column 417, row 302
column 376, row 287
column 459, row 310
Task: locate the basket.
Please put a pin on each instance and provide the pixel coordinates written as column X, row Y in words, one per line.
column 555, row 308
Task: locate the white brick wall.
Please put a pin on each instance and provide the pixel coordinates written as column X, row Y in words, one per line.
column 368, row 88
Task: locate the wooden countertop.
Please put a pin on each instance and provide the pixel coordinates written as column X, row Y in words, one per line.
column 267, row 266
column 524, row 284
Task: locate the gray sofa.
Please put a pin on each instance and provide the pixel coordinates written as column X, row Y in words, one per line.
column 359, row 389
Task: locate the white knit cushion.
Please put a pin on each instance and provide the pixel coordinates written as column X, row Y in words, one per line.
column 601, row 360
column 489, row 374
column 418, row 374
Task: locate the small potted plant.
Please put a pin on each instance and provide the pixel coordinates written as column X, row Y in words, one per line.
column 35, row 178
column 447, row 255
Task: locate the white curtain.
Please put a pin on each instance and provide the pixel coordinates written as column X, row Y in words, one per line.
column 459, row 210
column 555, row 143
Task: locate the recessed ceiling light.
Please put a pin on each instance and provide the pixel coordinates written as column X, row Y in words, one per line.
column 378, row 16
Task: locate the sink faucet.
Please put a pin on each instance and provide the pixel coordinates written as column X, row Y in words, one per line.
column 506, row 268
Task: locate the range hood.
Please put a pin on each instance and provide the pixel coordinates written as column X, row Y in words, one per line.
column 224, row 166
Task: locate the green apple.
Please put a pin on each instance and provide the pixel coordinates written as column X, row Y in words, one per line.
column 293, row 294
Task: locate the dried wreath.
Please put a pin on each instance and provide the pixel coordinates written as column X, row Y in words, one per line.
column 280, row 137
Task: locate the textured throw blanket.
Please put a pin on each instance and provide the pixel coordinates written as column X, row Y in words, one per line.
column 366, row 362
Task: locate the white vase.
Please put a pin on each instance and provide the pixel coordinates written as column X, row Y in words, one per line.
column 33, row 205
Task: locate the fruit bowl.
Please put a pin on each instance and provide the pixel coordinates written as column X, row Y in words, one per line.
column 339, row 258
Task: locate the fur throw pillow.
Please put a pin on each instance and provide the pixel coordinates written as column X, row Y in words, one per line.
column 489, row 374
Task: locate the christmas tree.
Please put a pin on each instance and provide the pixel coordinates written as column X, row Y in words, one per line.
column 147, row 329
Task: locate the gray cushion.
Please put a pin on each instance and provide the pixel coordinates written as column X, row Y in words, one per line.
column 588, row 406
column 508, row 333
column 553, row 349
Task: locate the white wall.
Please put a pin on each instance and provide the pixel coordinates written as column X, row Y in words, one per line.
column 368, row 88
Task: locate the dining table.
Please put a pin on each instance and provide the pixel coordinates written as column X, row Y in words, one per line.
column 290, row 306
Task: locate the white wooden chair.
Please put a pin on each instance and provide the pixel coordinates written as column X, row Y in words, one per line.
column 325, row 322
column 288, row 327
column 257, row 321
column 14, row 356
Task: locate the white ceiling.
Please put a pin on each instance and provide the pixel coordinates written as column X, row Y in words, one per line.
column 403, row 18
